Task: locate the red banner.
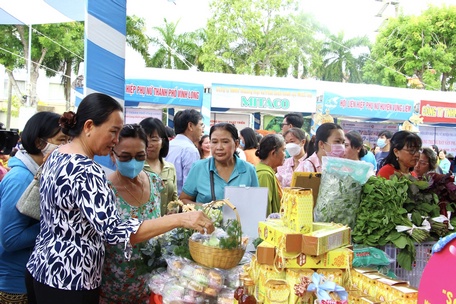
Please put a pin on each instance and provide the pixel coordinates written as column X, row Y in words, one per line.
column 435, row 111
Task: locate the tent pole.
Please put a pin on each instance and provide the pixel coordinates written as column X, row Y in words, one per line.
column 29, row 67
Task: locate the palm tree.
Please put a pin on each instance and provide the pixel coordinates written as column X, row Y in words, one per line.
column 339, row 63
column 175, row 51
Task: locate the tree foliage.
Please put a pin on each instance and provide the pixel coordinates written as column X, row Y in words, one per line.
column 173, row 50
column 253, row 37
column 56, row 48
column 339, row 62
column 421, row 47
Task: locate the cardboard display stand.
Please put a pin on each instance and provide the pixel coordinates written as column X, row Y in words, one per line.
column 307, row 180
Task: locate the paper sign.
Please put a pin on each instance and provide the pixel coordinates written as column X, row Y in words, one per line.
column 251, row 204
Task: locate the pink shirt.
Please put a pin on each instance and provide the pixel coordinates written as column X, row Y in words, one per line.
column 285, row 172
column 310, row 164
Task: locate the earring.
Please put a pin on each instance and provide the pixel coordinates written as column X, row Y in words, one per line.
column 88, row 134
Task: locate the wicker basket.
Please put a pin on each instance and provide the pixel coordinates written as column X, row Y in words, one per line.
column 217, row 257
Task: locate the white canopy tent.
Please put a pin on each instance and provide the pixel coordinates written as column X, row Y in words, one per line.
column 105, row 30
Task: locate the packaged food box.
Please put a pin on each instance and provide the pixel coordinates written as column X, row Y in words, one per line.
column 297, row 205
column 384, row 288
column 340, row 258
column 284, row 238
column 404, row 295
column 323, row 240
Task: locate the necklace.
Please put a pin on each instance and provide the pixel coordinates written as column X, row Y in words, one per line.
column 129, row 192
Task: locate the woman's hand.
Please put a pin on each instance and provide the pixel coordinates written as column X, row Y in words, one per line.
column 197, row 220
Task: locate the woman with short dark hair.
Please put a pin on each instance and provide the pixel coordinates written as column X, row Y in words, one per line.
column 224, row 168
column 272, row 155
column 249, row 143
column 404, row 153
column 157, row 150
column 426, row 163
column 18, row 232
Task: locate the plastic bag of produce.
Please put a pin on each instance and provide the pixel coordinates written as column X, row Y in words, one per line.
column 340, row 190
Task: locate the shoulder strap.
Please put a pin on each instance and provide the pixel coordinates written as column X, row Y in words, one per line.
column 211, row 174
column 315, row 168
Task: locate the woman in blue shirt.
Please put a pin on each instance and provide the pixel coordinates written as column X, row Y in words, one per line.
column 18, row 232
column 225, row 166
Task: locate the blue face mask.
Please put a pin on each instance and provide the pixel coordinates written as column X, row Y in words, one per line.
column 381, row 142
column 131, row 168
column 241, row 143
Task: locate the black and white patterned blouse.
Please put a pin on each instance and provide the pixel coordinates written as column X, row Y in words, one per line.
column 78, row 214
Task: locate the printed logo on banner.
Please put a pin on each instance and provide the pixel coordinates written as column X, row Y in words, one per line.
column 163, row 92
column 368, row 106
column 440, row 112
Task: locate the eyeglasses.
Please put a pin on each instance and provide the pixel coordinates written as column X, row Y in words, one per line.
column 284, row 124
column 423, row 163
column 127, row 157
column 413, row 151
column 154, row 139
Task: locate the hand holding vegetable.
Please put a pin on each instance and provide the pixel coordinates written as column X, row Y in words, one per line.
column 197, row 220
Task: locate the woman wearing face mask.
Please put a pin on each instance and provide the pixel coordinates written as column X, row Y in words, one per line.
column 404, row 154
column 272, row 154
column 137, row 196
column 249, row 143
column 329, row 141
column 18, row 232
column 295, row 140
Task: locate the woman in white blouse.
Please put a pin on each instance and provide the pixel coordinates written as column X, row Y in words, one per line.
column 79, row 211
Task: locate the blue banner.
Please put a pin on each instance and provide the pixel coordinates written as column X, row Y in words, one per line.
column 170, row 93
column 368, row 106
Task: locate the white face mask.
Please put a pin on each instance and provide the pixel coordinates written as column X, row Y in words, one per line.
column 48, row 149
column 293, row 149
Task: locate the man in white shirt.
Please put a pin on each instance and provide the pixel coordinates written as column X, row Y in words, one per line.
column 189, row 127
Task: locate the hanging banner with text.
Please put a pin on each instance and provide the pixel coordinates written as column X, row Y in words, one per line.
column 254, row 99
column 240, row 121
column 368, row 131
column 135, row 115
column 367, row 106
column 169, row 93
column 435, row 111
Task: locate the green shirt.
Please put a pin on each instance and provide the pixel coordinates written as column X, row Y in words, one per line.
column 267, row 178
column 169, row 192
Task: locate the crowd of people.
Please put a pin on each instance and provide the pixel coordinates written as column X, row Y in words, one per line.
column 86, row 247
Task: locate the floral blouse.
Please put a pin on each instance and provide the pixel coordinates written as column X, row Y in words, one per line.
column 78, row 215
column 126, row 281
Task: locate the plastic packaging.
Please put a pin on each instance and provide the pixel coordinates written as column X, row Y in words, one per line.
column 340, row 190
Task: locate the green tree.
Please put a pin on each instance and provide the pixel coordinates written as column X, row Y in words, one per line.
column 57, row 48
column 253, row 37
column 339, row 62
column 174, row 51
column 420, row 48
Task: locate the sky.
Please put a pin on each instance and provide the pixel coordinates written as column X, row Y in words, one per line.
column 353, row 17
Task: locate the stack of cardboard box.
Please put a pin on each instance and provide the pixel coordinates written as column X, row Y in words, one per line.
column 294, row 247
